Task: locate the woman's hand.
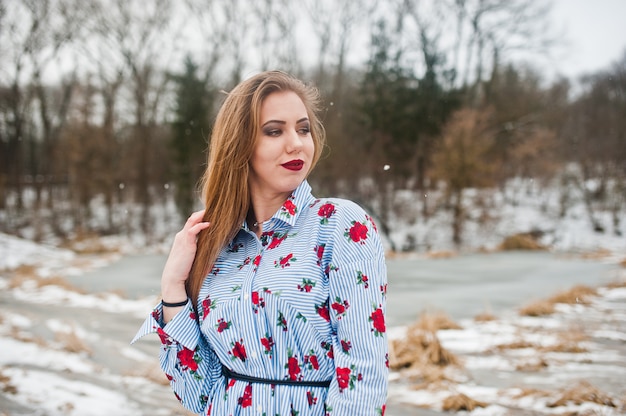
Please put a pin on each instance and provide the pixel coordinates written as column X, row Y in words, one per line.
column 180, row 259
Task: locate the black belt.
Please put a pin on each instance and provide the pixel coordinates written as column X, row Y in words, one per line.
column 236, row 376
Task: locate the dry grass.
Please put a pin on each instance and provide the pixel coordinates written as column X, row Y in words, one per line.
column 596, row 254
column 581, row 393
column 18, row 335
column 20, row 277
column 485, row 317
column 60, row 282
column 569, row 342
column 152, row 373
column 532, row 366
column 460, row 402
column 435, row 321
column 441, row 254
column 88, row 243
column 520, row 242
column 579, row 294
column 22, row 274
column 419, row 349
column 72, row 342
column 528, row 391
column 616, row 284
column 5, row 384
column 516, row 345
column 538, row 308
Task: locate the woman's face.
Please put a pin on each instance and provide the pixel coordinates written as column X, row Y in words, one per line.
column 284, row 147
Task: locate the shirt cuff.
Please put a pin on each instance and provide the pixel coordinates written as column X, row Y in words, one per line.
column 183, row 328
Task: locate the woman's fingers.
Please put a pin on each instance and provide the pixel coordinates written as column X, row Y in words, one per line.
column 195, row 229
column 195, row 217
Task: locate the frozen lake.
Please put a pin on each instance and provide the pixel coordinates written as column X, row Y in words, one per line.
column 462, row 286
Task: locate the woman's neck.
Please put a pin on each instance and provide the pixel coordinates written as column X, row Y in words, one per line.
column 263, row 207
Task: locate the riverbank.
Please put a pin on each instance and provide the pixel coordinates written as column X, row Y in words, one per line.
column 64, row 349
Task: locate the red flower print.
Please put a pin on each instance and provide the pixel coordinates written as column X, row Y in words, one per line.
column 284, row 261
column 231, row 383
column 330, row 268
column 257, row 302
column 246, row 400
column 208, row 411
column 311, row 360
column 319, row 250
column 207, row 305
column 281, row 321
column 238, row 351
column 357, row 233
column 383, row 290
column 265, row 236
column 329, row 349
column 340, row 307
column 346, row 378
column 289, row 207
column 268, row 344
column 155, row 315
column 371, row 220
column 235, row 248
column 381, row 410
column 311, row 399
column 165, row 339
column 345, row 346
column 377, row 318
column 293, row 366
column 257, row 261
column 343, row 378
column 192, row 315
column 322, row 310
column 276, row 240
column 222, row 325
column 362, row 279
column 186, row 357
column 326, row 211
column 306, row 286
column 246, row 261
column 387, row 360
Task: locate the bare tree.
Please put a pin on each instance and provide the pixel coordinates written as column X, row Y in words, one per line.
column 34, row 34
column 137, row 32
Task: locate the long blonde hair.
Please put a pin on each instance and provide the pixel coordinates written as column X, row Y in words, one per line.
column 225, row 181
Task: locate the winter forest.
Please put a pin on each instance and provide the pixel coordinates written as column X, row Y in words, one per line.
column 106, row 108
column 492, row 178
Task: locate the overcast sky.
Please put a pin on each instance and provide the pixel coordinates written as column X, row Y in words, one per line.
column 595, row 31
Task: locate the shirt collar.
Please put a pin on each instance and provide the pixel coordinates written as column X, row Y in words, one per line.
column 291, row 209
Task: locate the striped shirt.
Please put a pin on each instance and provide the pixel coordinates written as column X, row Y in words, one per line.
column 304, row 302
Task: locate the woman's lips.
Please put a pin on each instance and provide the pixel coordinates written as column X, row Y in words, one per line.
column 293, row 164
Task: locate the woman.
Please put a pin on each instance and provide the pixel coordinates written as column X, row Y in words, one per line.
column 273, row 301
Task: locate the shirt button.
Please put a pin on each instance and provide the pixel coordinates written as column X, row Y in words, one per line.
column 253, row 354
column 246, row 296
column 259, row 408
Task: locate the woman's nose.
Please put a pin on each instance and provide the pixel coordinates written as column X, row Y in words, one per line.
column 294, row 142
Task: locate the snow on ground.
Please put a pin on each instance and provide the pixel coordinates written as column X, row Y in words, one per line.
column 41, row 375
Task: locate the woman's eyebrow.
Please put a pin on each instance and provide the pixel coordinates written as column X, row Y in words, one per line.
column 273, row 121
column 303, row 119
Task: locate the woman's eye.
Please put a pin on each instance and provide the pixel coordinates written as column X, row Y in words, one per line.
column 304, row 130
column 272, row 132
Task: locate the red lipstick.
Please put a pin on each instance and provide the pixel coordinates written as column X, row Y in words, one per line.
column 295, row 164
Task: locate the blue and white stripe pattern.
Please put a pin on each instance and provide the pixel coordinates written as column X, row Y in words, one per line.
column 304, row 302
